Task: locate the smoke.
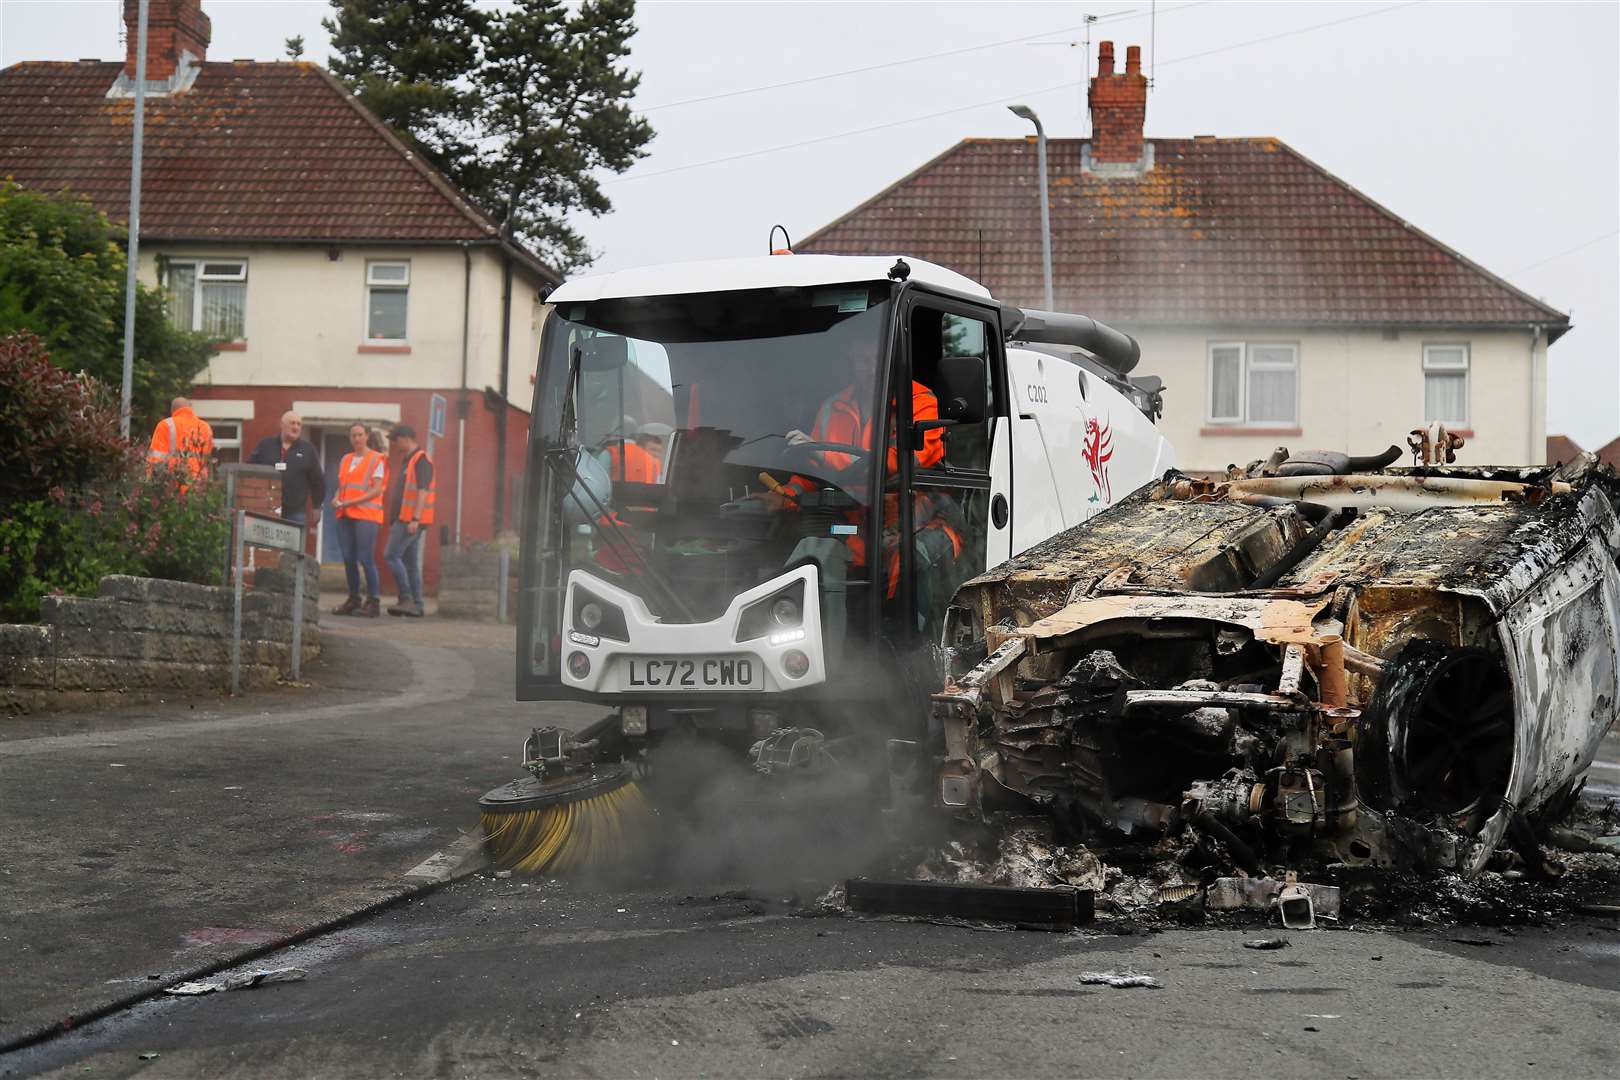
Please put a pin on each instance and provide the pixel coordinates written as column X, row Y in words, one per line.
column 721, row 823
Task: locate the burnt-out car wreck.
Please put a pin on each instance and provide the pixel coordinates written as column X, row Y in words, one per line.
column 1306, row 664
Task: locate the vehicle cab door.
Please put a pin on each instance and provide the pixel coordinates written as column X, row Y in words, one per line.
column 948, row 489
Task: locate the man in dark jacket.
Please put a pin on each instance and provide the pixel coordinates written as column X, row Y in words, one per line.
column 302, row 482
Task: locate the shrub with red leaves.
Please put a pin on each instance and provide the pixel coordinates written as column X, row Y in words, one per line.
column 57, row 429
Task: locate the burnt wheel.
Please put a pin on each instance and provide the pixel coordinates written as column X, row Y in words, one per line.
column 1442, row 718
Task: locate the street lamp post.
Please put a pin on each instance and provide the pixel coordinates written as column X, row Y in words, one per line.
column 134, row 249
column 1026, row 113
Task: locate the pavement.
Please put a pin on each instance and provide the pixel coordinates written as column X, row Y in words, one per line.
column 148, row 844
column 332, row 827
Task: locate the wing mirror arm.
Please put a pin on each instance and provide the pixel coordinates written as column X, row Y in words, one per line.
column 921, row 428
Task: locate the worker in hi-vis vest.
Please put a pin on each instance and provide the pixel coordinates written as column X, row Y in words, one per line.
column 182, row 440
column 410, row 512
column 362, row 478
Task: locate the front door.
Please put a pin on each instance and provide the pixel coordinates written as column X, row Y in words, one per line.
column 948, row 503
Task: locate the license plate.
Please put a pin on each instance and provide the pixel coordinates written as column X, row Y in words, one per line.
column 692, row 673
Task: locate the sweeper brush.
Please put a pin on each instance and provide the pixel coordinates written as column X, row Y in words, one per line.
column 568, row 815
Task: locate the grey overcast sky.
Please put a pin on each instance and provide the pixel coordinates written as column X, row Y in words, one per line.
column 1494, row 127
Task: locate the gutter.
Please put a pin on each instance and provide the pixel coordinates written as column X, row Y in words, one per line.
column 461, row 399
column 1534, row 455
column 501, row 411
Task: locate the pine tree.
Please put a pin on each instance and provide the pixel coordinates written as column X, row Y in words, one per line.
column 413, row 63
column 294, row 46
column 522, row 107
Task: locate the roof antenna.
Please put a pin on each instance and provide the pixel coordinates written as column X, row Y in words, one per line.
column 1153, row 41
column 787, row 244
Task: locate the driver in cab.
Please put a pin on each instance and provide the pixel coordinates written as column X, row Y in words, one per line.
column 844, row 420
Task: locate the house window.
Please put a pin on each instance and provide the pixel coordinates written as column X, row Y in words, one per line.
column 227, row 442
column 1445, row 384
column 1254, row 384
column 388, row 285
column 209, row 296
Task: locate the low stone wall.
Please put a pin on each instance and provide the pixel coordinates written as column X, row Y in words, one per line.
column 469, row 585
column 145, row 638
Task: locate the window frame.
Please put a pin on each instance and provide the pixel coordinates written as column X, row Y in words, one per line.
column 200, row 278
column 233, row 442
column 1246, row 365
column 403, row 286
column 1465, row 369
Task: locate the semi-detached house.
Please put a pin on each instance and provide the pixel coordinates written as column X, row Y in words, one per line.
column 344, row 277
column 1280, row 305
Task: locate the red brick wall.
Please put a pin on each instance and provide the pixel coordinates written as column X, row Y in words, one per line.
column 1118, row 107
column 478, row 470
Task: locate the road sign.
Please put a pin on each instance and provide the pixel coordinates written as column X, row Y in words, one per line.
column 271, row 532
column 437, row 407
column 262, row 530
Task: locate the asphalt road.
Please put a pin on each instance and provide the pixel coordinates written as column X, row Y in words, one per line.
column 152, row 842
column 500, row 978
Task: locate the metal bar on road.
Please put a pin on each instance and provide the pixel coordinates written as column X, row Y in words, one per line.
column 1056, row 909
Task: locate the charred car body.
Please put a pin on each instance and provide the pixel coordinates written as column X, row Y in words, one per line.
column 1317, row 659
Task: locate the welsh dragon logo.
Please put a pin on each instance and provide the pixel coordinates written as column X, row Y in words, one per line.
column 1098, row 450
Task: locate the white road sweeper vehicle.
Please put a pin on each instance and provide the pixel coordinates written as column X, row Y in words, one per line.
column 754, row 485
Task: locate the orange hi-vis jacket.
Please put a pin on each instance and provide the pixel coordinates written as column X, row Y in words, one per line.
column 840, row 420
column 356, row 476
column 632, row 462
column 182, row 439
column 417, row 504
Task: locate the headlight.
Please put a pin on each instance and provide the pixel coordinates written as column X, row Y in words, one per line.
column 597, row 617
column 782, row 610
column 579, row 665
column 794, row 663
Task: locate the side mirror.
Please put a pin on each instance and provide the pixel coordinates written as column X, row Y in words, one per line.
column 964, row 395
column 602, row 354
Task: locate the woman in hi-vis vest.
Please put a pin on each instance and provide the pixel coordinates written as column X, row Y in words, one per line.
column 362, row 476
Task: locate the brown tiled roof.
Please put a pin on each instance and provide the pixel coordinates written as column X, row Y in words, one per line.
column 1562, row 448
column 270, row 152
column 1218, row 232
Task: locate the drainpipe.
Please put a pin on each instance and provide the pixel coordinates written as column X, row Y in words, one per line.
column 500, row 415
column 1534, row 455
column 461, row 401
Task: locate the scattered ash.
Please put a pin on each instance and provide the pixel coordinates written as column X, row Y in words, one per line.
column 1159, row 885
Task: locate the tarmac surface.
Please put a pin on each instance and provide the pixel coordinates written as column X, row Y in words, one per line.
column 145, row 846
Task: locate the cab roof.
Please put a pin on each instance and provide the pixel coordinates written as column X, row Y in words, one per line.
column 757, row 272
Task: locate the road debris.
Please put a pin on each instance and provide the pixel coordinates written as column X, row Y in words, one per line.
column 1318, row 665
column 1120, row 980
column 240, row 981
column 1266, row 943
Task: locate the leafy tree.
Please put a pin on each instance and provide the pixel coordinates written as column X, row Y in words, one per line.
column 294, row 46
column 522, row 106
column 62, row 278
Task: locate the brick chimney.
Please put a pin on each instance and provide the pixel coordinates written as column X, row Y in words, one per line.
column 1118, row 107
column 173, row 28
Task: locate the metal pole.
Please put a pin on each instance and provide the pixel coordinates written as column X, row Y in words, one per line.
column 237, row 548
column 298, row 604
column 500, row 585
column 134, row 225
column 1026, row 113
